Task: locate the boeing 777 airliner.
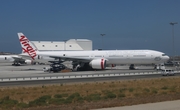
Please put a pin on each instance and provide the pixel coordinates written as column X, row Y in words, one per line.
column 82, row 60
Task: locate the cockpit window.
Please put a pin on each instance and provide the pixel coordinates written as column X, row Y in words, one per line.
column 164, row 55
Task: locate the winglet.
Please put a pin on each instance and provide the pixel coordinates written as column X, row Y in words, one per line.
column 27, row 46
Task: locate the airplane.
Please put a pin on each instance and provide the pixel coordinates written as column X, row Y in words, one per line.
column 15, row 59
column 95, row 59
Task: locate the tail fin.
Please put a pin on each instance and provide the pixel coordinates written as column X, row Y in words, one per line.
column 27, row 46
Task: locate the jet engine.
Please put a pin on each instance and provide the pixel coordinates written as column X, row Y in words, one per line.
column 98, row 64
column 28, row 61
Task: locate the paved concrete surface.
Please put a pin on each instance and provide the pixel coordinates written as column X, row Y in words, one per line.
column 8, row 71
column 34, row 71
column 167, row 105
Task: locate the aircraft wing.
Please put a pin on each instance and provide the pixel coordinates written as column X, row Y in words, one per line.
column 25, row 57
column 17, row 59
column 75, row 59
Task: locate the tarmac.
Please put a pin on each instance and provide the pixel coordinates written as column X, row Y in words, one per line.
column 9, row 71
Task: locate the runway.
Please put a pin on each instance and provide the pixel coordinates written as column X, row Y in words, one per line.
column 37, row 70
column 8, row 71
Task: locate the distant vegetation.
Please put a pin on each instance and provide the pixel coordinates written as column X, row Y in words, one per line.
column 84, row 96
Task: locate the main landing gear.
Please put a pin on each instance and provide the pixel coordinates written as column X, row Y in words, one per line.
column 82, row 67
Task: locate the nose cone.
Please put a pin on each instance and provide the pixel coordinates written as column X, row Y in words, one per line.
column 165, row 58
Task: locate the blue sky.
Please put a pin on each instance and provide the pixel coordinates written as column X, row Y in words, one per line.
column 128, row 24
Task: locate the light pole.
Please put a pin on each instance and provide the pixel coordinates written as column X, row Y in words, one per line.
column 173, row 23
column 102, row 40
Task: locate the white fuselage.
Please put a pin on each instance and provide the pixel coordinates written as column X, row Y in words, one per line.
column 112, row 56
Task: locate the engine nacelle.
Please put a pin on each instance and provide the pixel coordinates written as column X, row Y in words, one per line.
column 28, row 62
column 98, row 64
